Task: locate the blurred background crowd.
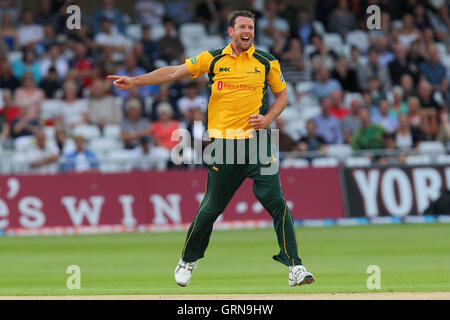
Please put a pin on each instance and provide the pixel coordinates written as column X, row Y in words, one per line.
column 367, row 96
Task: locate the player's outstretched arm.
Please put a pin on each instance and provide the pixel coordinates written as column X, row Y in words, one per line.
column 159, row 76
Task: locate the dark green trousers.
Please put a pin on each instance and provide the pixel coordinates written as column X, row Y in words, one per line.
column 223, row 181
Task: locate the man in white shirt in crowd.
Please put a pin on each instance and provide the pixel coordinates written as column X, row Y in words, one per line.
column 29, row 33
column 191, row 99
column 43, row 155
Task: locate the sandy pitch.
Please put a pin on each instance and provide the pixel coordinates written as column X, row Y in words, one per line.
column 312, row 296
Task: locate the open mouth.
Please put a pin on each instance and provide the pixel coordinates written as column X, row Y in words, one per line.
column 245, row 40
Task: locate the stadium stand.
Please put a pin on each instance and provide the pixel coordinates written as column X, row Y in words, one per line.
column 322, row 43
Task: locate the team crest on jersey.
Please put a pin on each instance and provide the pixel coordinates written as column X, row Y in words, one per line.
column 194, row 60
column 281, row 78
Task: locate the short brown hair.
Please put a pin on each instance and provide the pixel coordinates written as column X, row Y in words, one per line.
column 240, row 13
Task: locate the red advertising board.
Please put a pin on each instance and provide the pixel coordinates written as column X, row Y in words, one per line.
column 77, row 203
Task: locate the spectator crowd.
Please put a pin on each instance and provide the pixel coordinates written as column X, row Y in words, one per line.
column 370, row 89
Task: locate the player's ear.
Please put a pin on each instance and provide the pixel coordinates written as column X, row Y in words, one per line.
column 230, row 32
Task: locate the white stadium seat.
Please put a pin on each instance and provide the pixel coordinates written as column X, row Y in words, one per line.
column 87, row 131
column 295, row 163
column 358, row 39
column 50, row 109
column 357, row 162
column 112, row 131
column 333, row 41
column 443, row 159
column 431, row 147
column 158, row 31
column 418, row 160
column 104, row 144
column 324, row 162
column 339, row 151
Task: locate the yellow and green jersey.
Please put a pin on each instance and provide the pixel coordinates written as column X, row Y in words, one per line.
column 238, row 87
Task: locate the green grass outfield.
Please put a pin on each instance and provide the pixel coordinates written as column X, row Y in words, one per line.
column 411, row 258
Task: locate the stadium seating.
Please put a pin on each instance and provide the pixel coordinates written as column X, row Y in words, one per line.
column 357, row 162
column 339, row 151
column 418, row 159
column 324, row 162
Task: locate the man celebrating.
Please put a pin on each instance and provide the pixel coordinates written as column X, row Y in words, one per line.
column 238, row 79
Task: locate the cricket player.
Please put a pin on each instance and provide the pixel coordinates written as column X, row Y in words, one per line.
column 239, row 76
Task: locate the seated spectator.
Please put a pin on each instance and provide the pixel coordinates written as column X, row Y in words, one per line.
column 46, row 14
column 29, row 32
column 399, row 105
column 9, row 110
column 103, row 108
column 163, row 96
column 149, row 12
column 83, row 64
column 9, row 7
column 150, row 46
column 380, row 115
column 197, row 127
column 74, row 111
column 434, row 71
column 191, row 99
column 142, row 60
column 81, row 160
column 342, row 20
column 440, row 22
column 312, row 141
column 4, row 129
column 207, row 12
column 407, row 85
column 373, row 69
column 322, row 56
column 51, row 84
column 415, row 57
column 415, row 113
column 43, row 155
column 26, row 123
column 286, row 143
column 48, row 41
column 369, row 136
column 406, row 136
column 180, row 11
column 376, row 91
column 109, row 39
column 29, row 96
column 408, row 33
column 303, row 28
column 163, row 128
column 134, row 126
column 400, row 65
column 328, row 126
column 293, row 63
column 111, row 13
column 421, row 17
column 385, row 54
column 345, row 75
column 7, row 78
column 271, row 26
column 171, row 48
column 65, row 145
column 324, row 85
column 426, row 95
column 8, row 32
column 131, row 69
column 148, row 157
column 28, row 64
column 338, row 109
column 351, row 123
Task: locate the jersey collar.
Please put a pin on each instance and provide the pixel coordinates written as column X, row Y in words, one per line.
column 229, row 50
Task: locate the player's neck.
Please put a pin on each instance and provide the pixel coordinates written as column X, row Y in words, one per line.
column 237, row 51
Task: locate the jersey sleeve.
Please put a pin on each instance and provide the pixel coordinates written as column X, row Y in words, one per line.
column 199, row 65
column 275, row 77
